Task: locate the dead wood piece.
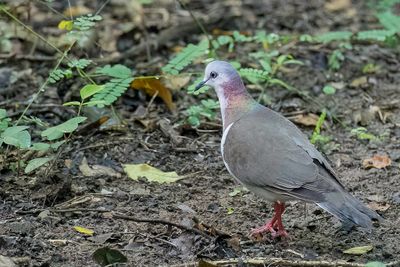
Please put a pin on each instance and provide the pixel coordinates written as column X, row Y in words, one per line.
column 279, row 262
column 160, row 221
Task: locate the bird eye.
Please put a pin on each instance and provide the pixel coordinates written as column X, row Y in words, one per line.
column 213, row 74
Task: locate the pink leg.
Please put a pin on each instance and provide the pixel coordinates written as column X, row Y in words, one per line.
column 275, row 226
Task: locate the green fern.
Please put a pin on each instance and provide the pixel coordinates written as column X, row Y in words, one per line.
column 390, row 21
column 185, row 57
column 59, row 74
column 333, row 36
column 254, row 75
column 120, row 82
column 79, row 63
column 223, row 40
column 86, row 22
column 375, row 35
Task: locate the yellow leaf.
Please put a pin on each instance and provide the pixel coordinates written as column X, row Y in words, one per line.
column 154, row 86
column 358, row 250
column 66, row 25
column 152, row 174
column 83, row 230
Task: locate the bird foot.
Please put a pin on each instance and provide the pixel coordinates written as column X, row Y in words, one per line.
column 271, row 227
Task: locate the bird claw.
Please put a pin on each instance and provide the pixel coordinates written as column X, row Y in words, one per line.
column 269, row 227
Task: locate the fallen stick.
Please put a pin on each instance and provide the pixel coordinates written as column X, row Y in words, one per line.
column 278, row 262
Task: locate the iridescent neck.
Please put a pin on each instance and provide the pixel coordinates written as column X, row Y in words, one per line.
column 235, row 101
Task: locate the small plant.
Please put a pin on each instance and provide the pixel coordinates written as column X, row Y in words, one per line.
column 206, row 109
column 362, row 134
column 121, row 78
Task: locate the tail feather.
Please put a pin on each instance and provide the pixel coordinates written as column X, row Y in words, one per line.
column 347, row 208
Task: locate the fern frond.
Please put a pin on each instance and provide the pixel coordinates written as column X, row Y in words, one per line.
column 59, row 74
column 185, row 57
column 254, row 75
column 120, row 82
column 333, row 36
column 112, row 90
column 390, row 21
column 375, row 35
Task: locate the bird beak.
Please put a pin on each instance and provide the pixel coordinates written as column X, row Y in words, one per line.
column 200, row 85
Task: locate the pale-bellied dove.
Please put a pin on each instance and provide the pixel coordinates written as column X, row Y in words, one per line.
column 270, row 156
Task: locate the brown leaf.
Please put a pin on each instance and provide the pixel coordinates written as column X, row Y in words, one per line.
column 308, row 119
column 336, row 5
column 176, row 82
column 360, row 82
column 377, row 161
column 378, row 206
column 154, row 86
column 75, row 11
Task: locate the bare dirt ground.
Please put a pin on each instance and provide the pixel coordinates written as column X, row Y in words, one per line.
column 38, row 212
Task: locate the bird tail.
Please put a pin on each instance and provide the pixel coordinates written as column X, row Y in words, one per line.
column 349, row 209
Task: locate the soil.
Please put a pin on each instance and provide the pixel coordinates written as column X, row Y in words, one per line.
column 39, row 211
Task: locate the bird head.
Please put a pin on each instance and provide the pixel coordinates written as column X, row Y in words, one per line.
column 222, row 76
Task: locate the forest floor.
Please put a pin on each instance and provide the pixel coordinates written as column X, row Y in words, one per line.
column 39, row 211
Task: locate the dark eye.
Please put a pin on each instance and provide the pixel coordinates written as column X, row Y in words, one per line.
column 213, row 75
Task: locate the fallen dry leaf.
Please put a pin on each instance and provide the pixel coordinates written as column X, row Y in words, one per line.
column 377, row 161
column 176, row 82
column 336, row 5
column 359, row 82
column 154, row 86
column 308, row 119
column 135, row 171
column 75, row 11
column 97, row 170
column 358, row 250
column 83, row 230
column 378, row 206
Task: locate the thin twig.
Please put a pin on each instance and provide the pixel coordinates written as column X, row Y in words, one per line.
column 160, row 221
column 280, row 262
column 35, row 211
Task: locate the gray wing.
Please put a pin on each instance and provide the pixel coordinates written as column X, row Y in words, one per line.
column 264, row 149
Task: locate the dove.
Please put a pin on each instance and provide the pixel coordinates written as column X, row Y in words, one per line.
column 271, row 157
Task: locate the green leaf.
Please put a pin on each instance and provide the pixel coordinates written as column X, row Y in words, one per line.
column 79, row 63
column 135, row 171
column 56, row 145
column 3, row 113
column 40, row 146
column 116, row 71
column 235, row 191
column 390, row 21
column 230, row 210
column 358, row 250
column 329, row 90
column 112, row 90
column 254, row 75
column 90, row 89
column 58, row 131
column 194, row 121
column 72, row 103
column 375, row 264
column 36, row 163
column 10, row 131
column 95, row 102
column 185, row 57
column 17, row 136
column 376, row 35
column 333, row 36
